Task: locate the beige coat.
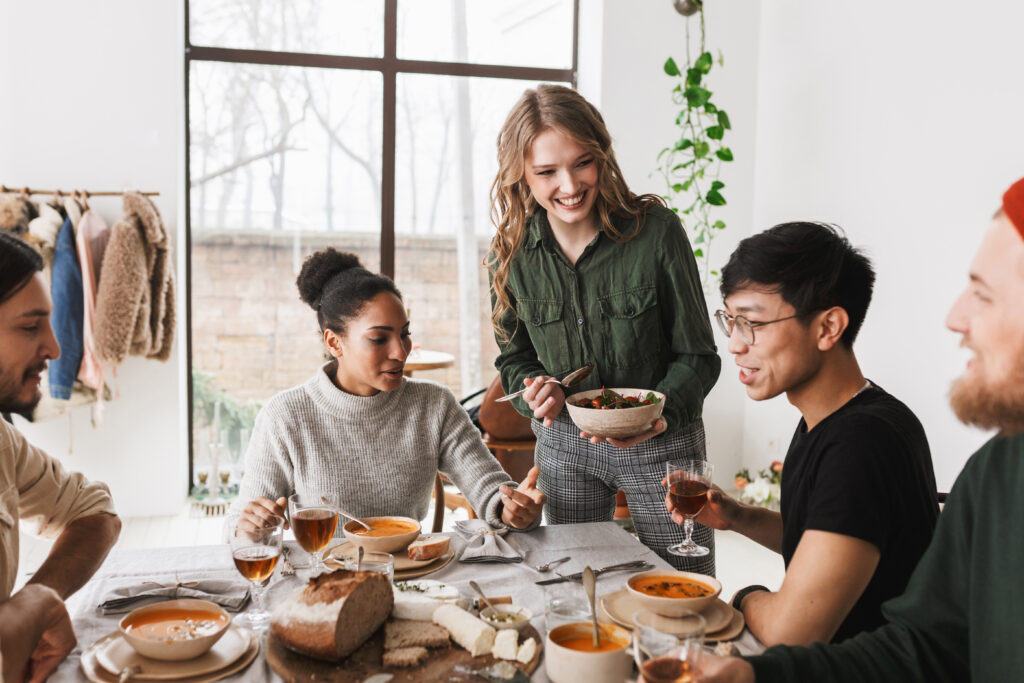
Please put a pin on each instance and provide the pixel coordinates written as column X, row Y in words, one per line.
column 135, row 298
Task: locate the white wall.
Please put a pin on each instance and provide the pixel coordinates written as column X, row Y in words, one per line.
column 94, row 100
column 903, row 124
column 624, row 77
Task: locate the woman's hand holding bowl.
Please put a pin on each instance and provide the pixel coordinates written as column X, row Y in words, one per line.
column 659, row 428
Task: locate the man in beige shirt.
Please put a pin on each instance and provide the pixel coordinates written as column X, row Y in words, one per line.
column 35, row 629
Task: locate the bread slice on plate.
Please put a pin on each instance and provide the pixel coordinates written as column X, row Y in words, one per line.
column 405, row 656
column 402, row 634
column 429, row 547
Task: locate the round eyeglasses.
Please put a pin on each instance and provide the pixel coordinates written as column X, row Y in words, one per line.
column 727, row 323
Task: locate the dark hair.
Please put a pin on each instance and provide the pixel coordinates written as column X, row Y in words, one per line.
column 18, row 264
column 336, row 286
column 812, row 265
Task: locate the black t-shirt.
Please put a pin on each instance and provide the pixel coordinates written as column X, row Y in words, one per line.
column 864, row 471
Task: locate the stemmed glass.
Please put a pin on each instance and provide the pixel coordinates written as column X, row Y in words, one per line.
column 663, row 657
column 688, row 484
column 255, row 549
column 314, row 520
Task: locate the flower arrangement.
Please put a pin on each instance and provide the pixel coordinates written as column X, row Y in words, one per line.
column 765, row 489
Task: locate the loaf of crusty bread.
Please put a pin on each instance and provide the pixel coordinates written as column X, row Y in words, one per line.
column 429, row 547
column 333, row 614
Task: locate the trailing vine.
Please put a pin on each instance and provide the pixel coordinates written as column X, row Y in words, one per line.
column 692, row 164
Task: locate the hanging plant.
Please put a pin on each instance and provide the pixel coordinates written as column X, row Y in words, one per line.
column 691, row 165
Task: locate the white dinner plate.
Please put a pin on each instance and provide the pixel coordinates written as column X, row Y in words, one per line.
column 117, row 655
column 621, row 606
column 402, row 560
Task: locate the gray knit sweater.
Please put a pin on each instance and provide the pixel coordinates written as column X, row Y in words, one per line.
column 376, row 454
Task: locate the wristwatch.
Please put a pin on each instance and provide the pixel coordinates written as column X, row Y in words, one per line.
column 737, row 600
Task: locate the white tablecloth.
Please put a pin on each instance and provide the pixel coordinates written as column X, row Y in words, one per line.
column 598, row 545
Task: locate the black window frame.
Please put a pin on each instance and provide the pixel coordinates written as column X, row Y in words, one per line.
column 390, row 66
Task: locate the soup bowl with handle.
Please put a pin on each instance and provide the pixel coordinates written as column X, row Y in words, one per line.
column 570, row 656
column 671, row 598
column 175, row 629
column 617, row 423
column 388, row 534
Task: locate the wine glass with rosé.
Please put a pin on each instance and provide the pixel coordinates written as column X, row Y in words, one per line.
column 314, row 520
column 688, row 484
column 255, row 551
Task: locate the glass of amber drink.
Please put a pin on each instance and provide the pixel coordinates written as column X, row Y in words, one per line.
column 667, row 657
column 314, row 520
column 688, row 484
column 255, row 551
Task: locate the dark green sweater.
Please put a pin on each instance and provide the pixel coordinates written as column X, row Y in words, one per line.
column 962, row 615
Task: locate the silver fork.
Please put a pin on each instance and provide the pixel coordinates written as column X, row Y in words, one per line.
column 548, row 565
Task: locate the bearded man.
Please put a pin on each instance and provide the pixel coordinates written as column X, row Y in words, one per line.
column 960, row 617
column 35, row 629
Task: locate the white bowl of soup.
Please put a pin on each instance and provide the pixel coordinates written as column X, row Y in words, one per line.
column 571, row 656
column 615, row 413
column 175, row 629
column 386, row 534
column 673, row 593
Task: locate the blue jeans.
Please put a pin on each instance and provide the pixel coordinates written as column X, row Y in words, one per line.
column 68, row 313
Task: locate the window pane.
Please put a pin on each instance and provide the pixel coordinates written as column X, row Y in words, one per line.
column 284, row 161
column 349, row 27
column 446, row 160
column 509, row 32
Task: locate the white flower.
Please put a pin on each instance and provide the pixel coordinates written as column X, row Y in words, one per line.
column 758, row 491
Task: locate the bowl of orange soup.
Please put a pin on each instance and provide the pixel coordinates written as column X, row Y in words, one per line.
column 673, row 593
column 386, row 534
column 176, row 629
column 571, row 656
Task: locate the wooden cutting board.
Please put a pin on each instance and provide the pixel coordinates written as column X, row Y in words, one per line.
column 366, row 661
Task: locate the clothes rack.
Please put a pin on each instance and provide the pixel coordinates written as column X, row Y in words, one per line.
column 27, row 191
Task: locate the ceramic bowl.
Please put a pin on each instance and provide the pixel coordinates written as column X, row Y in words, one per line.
column 566, row 665
column 506, row 616
column 171, row 648
column 621, row 423
column 382, row 544
column 674, row 607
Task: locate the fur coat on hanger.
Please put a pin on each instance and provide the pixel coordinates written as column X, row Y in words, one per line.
column 135, row 298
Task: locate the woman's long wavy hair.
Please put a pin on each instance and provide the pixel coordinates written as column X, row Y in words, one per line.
column 565, row 110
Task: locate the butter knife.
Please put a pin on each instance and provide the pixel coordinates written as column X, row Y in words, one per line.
column 636, row 565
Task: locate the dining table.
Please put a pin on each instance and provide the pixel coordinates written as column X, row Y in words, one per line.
column 595, row 544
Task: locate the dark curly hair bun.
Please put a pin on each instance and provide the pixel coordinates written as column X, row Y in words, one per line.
column 317, row 271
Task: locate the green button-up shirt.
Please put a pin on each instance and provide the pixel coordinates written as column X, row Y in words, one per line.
column 635, row 309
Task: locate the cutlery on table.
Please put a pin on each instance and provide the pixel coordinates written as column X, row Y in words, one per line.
column 548, row 565
column 128, row 672
column 588, row 585
column 636, row 565
column 570, row 380
column 286, row 566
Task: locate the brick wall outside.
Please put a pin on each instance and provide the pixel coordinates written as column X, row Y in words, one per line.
column 253, row 335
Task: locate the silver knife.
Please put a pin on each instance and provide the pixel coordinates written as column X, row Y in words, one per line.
column 635, row 565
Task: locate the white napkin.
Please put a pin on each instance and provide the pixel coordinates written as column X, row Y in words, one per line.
column 484, row 544
column 229, row 594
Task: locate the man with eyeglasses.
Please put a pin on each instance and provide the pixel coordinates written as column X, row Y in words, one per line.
column 858, row 489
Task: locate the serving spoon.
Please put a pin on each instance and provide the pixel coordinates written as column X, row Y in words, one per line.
column 569, row 381
column 475, row 586
column 589, row 581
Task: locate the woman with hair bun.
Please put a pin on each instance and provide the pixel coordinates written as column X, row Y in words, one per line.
column 584, row 271
column 362, row 430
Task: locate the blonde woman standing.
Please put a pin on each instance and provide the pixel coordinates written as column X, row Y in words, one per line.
column 584, row 271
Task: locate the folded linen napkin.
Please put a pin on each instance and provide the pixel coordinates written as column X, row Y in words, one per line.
column 484, row 544
column 230, row 594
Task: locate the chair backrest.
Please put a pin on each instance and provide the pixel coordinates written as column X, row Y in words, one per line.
column 438, row 523
column 500, row 420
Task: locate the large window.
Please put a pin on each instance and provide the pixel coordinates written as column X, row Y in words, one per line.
column 368, row 125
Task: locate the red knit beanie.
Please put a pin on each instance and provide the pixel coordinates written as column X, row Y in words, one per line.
column 1013, row 205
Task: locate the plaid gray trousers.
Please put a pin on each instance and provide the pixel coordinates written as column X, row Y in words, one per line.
column 580, row 480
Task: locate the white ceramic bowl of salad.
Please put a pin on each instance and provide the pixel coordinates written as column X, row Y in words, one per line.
column 615, row 413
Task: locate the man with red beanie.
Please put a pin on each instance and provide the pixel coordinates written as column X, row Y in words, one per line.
column 960, row 618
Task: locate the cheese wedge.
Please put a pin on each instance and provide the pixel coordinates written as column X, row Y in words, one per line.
column 417, row 600
column 465, row 629
column 527, row 651
column 505, row 644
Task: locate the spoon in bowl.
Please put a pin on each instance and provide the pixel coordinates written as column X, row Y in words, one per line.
column 323, row 499
column 570, row 380
column 475, row 586
column 589, row 581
